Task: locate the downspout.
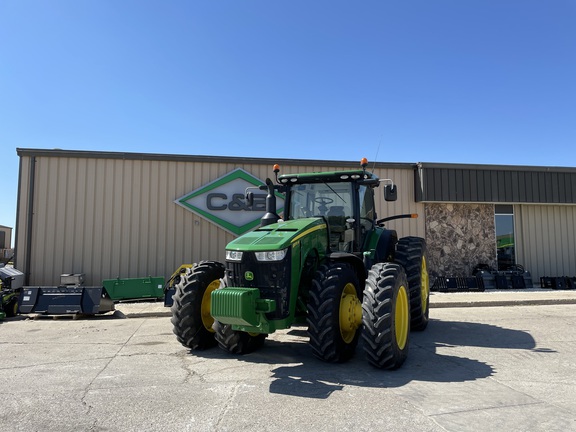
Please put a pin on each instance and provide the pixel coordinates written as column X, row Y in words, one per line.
column 418, row 182
column 28, row 250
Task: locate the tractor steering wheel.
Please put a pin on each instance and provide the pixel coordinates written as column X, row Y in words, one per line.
column 323, row 200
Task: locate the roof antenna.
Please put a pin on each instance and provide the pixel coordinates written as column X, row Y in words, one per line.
column 377, row 151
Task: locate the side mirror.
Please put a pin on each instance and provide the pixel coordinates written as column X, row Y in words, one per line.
column 249, row 199
column 390, row 192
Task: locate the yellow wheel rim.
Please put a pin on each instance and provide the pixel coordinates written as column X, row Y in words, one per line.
column 424, row 286
column 207, row 319
column 401, row 317
column 350, row 313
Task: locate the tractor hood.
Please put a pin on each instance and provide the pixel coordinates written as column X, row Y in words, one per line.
column 276, row 236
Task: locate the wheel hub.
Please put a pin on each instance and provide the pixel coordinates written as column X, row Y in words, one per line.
column 425, row 285
column 350, row 313
column 401, row 317
column 207, row 319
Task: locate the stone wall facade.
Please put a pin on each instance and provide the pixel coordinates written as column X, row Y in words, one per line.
column 459, row 237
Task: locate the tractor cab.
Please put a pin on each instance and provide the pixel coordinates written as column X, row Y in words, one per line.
column 345, row 200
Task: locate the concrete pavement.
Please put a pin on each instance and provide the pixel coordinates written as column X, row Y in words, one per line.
column 508, row 368
column 524, row 297
column 521, row 297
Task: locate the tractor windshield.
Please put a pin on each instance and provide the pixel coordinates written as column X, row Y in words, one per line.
column 321, row 199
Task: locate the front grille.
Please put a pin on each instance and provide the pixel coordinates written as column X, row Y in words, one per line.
column 271, row 278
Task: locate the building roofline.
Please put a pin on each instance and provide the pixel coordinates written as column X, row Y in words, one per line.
column 199, row 158
column 282, row 161
column 487, row 167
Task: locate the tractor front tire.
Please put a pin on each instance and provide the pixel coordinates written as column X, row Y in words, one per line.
column 334, row 312
column 237, row 342
column 411, row 254
column 386, row 318
column 11, row 308
column 191, row 319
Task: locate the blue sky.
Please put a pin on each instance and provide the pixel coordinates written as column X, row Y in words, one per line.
column 463, row 81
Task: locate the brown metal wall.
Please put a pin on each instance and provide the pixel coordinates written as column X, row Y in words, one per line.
column 112, row 217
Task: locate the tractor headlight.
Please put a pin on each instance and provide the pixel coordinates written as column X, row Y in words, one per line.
column 271, row 255
column 233, row 255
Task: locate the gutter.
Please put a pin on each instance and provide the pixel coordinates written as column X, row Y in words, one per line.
column 29, row 219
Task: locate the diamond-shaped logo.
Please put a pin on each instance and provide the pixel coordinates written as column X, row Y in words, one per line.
column 222, row 202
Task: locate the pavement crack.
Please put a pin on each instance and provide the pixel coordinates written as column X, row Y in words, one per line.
column 110, row 359
column 54, row 363
column 227, row 406
column 187, row 368
column 488, row 408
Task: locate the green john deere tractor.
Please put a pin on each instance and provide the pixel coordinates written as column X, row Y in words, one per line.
column 328, row 263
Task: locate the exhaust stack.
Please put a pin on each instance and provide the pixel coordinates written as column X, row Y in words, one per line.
column 271, row 216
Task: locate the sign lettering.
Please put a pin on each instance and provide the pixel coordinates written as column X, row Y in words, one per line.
column 223, row 202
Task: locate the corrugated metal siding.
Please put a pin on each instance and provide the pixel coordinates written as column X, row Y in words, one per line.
column 445, row 184
column 404, row 205
column 113, row 217
column 546, row 239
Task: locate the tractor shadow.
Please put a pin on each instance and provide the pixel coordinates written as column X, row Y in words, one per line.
column 312, row 378
column 296, row 372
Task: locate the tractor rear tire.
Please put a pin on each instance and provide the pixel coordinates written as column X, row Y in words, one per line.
column 191, row 319
column 386, row 317
column 237, row 342
column 411, row 254
column 334, row 312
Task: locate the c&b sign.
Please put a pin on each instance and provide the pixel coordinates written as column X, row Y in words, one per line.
column 222, row 202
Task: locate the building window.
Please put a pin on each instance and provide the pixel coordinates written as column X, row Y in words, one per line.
column 505, row 244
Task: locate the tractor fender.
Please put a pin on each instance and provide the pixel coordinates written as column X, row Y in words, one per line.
column 386, row 246
column 352, row 259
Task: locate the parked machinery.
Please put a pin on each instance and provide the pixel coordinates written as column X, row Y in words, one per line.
column 329, row 263
column 11, row 281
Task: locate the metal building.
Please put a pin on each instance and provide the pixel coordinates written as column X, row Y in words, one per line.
column 127, row 215
column 109, row 214
column 6, row 250
column 526, row 214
